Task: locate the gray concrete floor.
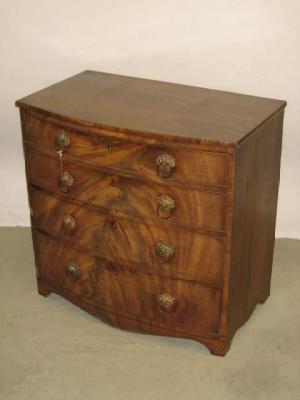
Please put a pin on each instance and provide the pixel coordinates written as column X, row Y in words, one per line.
column 49, row 349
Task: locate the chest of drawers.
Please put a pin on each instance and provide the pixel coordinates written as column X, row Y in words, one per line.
column 153, row 205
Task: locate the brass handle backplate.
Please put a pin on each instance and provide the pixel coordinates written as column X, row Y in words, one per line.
column 68, row 225
column 165, row 206
column 72, row 270
column 165, row 165
column 62, row 140
column 165, row 251
column 65, row 181
column 166, row 302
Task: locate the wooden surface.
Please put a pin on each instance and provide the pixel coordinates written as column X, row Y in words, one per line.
column 127, row 156
column 125, row 196
column 254, row 217
column 197, row 256
column 141, row 106
column 122, row 291
column 107, row 222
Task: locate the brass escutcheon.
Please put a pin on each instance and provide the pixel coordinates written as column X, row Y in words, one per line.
column 165, row 251
column 165, row 206
column 165, row 165
column 65, row 181
column 68, row 225
column 166, row 302
column 62, row 140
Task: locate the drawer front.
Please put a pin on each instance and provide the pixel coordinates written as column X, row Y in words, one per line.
column 189, row 207
column 145, row 160
column 163, row 249
column 173, row 304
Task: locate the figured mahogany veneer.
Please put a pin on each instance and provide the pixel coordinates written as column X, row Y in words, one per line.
column 127, row 155
column 153, row 205
column 127, row 196
column 197, row 256
column 115, row 287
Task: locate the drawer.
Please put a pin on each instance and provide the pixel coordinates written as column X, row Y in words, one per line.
column 181, row 306
column 122, row 195
column 136, row 157
column 163, row 249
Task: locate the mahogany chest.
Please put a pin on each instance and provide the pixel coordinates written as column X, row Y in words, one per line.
column 153, row 205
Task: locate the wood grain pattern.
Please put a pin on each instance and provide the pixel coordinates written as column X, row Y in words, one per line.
column 127, row 155
column 162, row 110
column 98, row 238
column 197, row 256
column 217, row 345
column 125, row 196
column 120, row 290
column 254, row 216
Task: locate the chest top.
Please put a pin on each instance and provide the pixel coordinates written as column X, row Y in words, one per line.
column 146, row 107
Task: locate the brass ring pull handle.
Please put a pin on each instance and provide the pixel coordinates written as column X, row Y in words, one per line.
column 165, row 165
column 68, row 225
column 62, row 140
column 165, row 206
column 166, row 303
column 72, row 270
column 65, row 181
column 165, row 251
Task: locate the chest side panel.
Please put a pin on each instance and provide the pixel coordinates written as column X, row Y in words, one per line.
column 257, row 172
